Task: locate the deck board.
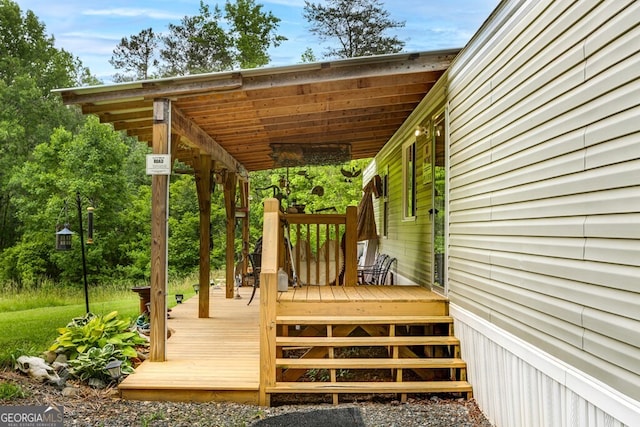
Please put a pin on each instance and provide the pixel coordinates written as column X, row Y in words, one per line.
column 214, row 355
column 219, row 358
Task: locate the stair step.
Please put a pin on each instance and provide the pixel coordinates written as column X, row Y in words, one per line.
column 368, row 341
column 372, row 387
column 362, row 320
column 372, row 363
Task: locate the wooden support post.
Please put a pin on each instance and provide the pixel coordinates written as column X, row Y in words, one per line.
column 351, row 247
column 203, row 187
column 268, row 294
column 230, row 183
column 159, row 210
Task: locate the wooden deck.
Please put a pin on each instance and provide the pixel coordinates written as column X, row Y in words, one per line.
column 368, row 300
column 214, row 359
column 218, row 359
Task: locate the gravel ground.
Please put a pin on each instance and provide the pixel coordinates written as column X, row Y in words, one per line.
column 88, row 407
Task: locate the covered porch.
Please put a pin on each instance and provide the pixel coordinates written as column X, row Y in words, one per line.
column 222, row 126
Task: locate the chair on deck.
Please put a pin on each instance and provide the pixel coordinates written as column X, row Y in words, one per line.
column 381, row 278
column 255, row 259
column 368, row 274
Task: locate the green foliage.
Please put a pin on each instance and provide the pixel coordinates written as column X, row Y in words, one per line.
column 30, row 67
column 49, row 152
column 11, row 391
column 358, row 27
column 198, row 44
column 214, row 40
column 251, row 32
column 96, row 332
column 28, row 319
column 93, row 363
column 148, row 419
column 92, row 162
column 308, row 56
column 135, row 55
column 28, row 50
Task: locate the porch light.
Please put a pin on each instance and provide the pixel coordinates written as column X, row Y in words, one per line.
column 179, row 298
column 114, row 369
column 63, row 239
column 196, row 287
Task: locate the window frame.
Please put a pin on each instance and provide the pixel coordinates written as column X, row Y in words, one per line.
column 409, row 184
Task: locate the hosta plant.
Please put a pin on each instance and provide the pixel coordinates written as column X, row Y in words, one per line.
column 91, row 331
column 93, row 363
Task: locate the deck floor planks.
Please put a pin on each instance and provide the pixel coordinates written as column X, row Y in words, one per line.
column 219, row 358
column 220, row 353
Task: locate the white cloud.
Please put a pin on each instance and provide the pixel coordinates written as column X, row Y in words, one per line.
column 132, row 13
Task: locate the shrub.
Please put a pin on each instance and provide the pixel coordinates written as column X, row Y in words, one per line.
column 91, row 331
column 93, row 363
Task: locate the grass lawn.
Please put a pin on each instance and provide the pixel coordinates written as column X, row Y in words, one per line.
column 29, row 320
column 32, row 331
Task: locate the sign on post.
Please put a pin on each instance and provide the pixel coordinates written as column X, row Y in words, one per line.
column 158, row 164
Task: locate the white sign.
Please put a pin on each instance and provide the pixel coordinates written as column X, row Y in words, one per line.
column 158, row 164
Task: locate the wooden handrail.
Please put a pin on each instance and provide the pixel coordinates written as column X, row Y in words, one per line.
column 273, row 256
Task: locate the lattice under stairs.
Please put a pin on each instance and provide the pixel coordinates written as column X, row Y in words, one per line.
column 368, row 354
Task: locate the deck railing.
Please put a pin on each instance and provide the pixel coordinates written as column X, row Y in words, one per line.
column 313, row 238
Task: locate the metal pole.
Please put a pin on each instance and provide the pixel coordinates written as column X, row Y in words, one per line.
column 84, row 260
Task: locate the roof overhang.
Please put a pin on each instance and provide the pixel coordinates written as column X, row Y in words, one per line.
column 238, row 117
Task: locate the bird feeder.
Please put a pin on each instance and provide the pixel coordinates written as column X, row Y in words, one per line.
column 63, row 239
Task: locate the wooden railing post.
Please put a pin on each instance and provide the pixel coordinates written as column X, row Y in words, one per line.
column 268, row 294
column 351, row 247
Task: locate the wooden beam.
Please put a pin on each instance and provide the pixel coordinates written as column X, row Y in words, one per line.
column 351, row 247
column 230, row 184
column 203, row 186
column 159, row 209
column 205, row 143
column 160, row 88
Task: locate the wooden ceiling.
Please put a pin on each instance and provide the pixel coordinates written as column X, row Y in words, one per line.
column 237, row 116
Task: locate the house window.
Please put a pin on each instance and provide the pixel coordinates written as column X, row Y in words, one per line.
column 385, row 204
column 409, row 179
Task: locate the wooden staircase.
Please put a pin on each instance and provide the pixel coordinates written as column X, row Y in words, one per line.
column 368, row 354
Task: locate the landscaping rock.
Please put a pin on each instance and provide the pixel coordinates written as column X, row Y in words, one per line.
column 71, row 392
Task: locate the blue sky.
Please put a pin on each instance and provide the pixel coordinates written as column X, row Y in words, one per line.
column 91, row 29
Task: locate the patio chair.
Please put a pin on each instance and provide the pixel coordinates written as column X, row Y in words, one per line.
column 367, row 274
column 381, row 278
column 255, row 259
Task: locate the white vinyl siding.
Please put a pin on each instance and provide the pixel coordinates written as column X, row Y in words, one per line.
column 544, row 108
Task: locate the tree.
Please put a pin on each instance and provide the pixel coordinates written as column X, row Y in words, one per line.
column 30, row 67
column 251, row 32
column 90, row 162
column 200, row 44
column 197, row 45
column 357, row 25
column 308, row 56
column 135, row 55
